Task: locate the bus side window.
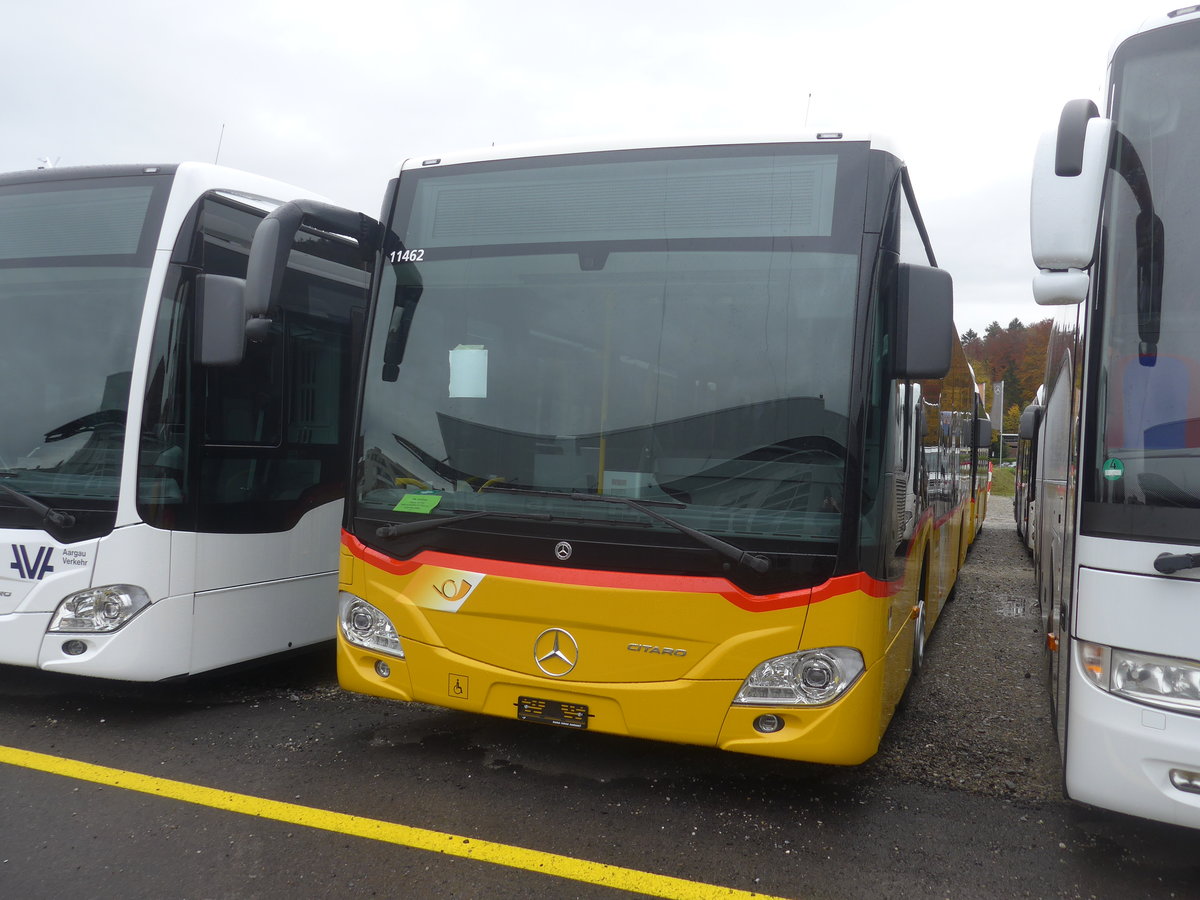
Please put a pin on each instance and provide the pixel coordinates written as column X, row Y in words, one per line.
column 281, row 448
column 250, row 448
column 244, row 404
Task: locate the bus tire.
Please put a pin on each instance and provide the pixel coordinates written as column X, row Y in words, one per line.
column 918, row 657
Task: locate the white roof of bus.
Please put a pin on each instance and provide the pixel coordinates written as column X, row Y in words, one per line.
column 1170, row 18
column 193, row 179
column 592, row 145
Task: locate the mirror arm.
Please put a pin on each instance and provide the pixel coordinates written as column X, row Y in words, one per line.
column 906, row 184
column 272, row 244
column 1072, row 136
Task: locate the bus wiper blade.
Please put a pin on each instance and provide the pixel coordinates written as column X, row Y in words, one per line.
column 53, row 516
column 573, row 495
column 400, row 528
column 90, row 422
column 1170, row 563
column 756, row 563
column 415, row 527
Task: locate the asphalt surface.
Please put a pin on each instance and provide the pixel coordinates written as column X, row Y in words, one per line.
column 962, row 800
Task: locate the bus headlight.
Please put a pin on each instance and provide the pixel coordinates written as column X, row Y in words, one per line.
column 806, row 678
column 1156, row 680
column 365, row 626
column 99, row 610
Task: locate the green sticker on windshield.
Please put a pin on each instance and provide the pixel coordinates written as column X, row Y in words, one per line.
column 418, row 503
column 1114, row 469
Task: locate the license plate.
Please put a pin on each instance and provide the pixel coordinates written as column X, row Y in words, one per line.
column 552, row 712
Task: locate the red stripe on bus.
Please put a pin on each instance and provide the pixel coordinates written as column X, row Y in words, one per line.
column 636, row 581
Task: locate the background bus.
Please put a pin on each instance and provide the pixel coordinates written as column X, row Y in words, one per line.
column 1028, row 444
column 162, row 515
column 673, row 441
column 1118, row 506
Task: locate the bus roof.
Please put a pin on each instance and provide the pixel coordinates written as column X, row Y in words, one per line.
column 190, row 180
column 599, row 144
column 1169, row 18
column 70, row 173
column 195, row 177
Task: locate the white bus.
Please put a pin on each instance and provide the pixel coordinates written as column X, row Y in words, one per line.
column 1028, row 446
column 1113, row 231
column 170, row 491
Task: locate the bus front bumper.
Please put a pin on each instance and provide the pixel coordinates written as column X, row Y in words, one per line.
column 1121, row 755
column 697, row 712
column 154, row 645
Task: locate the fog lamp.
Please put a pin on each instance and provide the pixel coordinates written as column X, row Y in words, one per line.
column 1186, row 781
column 74, row 648
column 768, row 724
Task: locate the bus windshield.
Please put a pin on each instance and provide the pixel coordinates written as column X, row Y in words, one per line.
column 74, row 265
column 671, row 327
column 1145, row 443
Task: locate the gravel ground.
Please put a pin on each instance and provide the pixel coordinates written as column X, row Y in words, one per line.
column 963, row 799
column 979, row 708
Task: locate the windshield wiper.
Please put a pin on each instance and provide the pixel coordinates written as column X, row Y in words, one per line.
column 90, row 422
column 53, row 516
column 753, row 561
column 1170, row 563
column 402, row 528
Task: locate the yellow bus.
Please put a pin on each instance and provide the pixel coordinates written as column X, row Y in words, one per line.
column 669, row 439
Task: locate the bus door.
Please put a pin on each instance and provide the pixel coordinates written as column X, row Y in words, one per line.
column 256, row 452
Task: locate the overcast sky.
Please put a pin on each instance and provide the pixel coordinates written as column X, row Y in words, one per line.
column 333, row 95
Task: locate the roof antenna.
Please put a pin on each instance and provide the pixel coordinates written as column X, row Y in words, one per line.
column 46, row 163
column 807, row 108
column 217, row 158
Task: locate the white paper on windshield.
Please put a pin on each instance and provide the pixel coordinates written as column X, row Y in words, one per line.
column 468, row 371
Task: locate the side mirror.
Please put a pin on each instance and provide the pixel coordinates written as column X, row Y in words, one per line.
column 1064, row 202
column 272, row 245
column 1031, row 419
column 925, row 320
column 220, row 320
column 982, row 434
column 977, row 433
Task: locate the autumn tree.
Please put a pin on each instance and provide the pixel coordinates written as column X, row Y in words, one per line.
column 1031, row 371
column 1012, row 419
column 1015, row 355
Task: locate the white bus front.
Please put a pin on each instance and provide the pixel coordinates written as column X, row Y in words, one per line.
column 1127, row 608
column 159, row 517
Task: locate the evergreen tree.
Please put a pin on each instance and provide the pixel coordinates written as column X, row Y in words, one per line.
column 1015, row 355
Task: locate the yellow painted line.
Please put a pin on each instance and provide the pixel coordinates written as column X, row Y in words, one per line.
column 552, row 864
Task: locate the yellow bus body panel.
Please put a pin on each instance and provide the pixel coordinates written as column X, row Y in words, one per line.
column 651, row 662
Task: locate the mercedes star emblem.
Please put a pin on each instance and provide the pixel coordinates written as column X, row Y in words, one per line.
column 562, row 550
column 555, row 652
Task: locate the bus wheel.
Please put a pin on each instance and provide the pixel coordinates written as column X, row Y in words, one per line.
column 918, row 657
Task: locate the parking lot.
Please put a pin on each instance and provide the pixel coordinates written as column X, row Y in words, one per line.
column 274, row 783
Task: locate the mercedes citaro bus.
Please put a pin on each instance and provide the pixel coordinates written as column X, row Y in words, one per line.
column 172, row 462
column 665, row 439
